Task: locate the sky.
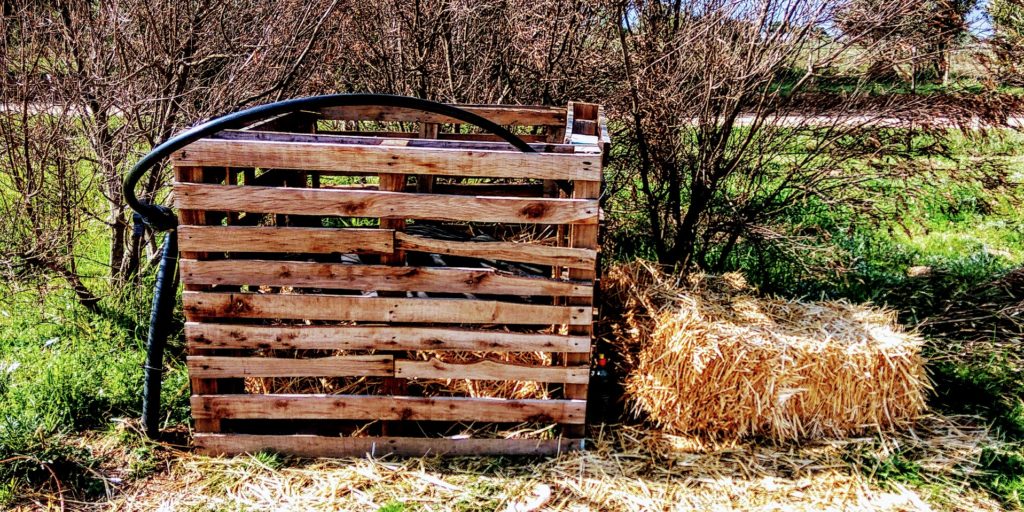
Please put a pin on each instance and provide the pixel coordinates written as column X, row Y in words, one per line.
column 980, row 25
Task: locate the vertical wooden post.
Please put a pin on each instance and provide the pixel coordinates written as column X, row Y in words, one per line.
column 581, row 236
column 425, row 183
column 393, row 385
column 196, row 217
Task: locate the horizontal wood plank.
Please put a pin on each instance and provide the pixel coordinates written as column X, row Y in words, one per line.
column 378, row 309
column 263, row 239
column 350, row 158
column 378, row 203
column 488, row 142
column 219, row 367
column 505, row 251
column 490, row 189
column 386, row 408
column 324, row 446
column 490, row 370
column 522, row 115
column 358, row 337
column 374, row 278
column 472, row 137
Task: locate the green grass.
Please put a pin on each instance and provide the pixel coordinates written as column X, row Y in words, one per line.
column 65, row 371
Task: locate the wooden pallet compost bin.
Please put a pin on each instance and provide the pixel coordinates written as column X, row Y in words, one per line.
column 334, row 261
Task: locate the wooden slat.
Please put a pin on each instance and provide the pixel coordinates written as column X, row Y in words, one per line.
column 378, row 309
column 324, row 446
column 380, row 138
column 379, row 203
column 474, row 137
column 585, row 237
column 489, row 137
column 349, row 337
column 505, row 251
column 523, row 115
column 375, row 278
column 490, row 370
column 291, row 121
column 386, row 159
column 490, row 189
column 216, row 367
column 258, row 239
column 196, row 217
column 386, row 408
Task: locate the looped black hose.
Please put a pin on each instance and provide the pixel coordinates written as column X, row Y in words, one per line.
column 162, row 218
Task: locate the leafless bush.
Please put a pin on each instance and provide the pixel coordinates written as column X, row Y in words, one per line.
column 42, row 187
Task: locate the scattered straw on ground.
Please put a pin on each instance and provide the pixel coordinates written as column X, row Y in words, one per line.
column 629, row 469
column 709, row 356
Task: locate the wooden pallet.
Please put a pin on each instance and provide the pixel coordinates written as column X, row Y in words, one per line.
column 292, row 270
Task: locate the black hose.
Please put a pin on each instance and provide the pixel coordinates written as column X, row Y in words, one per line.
column 159, row 328
column 162, row 218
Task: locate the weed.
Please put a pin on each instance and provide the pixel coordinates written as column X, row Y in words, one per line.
column 1004, row 473
column 393, row 506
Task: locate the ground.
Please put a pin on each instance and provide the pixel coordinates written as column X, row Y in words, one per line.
column 68, row 380
column 628, row 468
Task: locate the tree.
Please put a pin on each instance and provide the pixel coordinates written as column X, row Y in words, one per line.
column 710, row 139
column 125, row 76
column 1007, row 17
column 922, row 36
column 135, row 72
column 464, row 51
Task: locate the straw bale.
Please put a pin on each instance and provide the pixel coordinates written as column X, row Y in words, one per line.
column 709, row 356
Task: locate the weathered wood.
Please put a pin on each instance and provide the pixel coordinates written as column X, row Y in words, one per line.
column 385, row 320
column 375, row 278
column 261, row 239
column 378, row 309
column 490, row 370
column 380, row 203
column 487, row 142
column 473, row 137
column 392, row 385
column 489, row 137
column 584, row 237
column 505, row 251
column 348, row 337
column 215, row 367
column 522, row 115
column 363, row 407
column 195, row 217
column 388, row 159
column 491, row 189
column 300, row 120
column 324, row 446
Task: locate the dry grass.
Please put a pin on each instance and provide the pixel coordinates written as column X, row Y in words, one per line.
column 708, row 356
column 628, row 469
column 427, row 387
